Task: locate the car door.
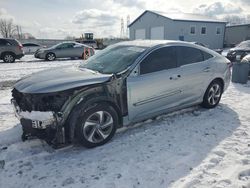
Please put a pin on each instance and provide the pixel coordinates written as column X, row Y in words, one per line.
column 64, row 50
column 154, row 84
column 69, row 50
column 78, row 50
column 195, row 71
column 59, row 50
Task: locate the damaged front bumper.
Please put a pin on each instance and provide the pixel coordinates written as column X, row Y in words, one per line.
column 43, row 125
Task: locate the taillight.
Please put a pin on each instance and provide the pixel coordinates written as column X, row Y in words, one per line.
column 20, row 47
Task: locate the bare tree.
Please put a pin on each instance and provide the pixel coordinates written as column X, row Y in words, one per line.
column 7, row 28
column 68, row 37
column 19, row 31
column 235, row 19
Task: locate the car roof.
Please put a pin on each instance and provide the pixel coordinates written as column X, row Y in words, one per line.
column 155, row 43
column 152, row 43
column 68, row 42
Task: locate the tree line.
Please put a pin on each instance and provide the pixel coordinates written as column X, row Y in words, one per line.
column 10, row 30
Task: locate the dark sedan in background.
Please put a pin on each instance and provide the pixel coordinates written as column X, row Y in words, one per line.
column 239, row 51
column 65, row 50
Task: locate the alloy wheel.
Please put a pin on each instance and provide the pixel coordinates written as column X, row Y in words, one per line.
column 214, row 94
column 51, row 57
column 98, row 126
column 8, row 58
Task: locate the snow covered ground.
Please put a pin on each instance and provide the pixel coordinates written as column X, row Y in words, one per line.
column 193, row 148
column 10, row 72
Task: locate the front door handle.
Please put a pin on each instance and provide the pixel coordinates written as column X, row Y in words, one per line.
column 207, row 69
column 175, row 77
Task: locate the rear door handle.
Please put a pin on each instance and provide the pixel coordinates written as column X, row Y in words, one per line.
column 207, row 69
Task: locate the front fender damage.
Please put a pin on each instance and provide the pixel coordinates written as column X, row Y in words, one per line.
column 63, row 106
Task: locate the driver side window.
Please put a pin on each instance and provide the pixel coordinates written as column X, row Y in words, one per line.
column 63, row 46
column 160, row 59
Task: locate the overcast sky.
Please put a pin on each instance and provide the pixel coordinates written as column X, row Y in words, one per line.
column 59, row 18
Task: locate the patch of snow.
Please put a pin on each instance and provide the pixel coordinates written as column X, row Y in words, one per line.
column 11, row 72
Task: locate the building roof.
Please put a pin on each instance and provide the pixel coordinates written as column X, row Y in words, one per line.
column 181, row 17
column 239, row 25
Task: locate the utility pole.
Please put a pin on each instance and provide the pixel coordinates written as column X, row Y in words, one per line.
column 122, row 28
column 127, row 29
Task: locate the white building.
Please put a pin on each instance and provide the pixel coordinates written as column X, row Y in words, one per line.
column 178, row 26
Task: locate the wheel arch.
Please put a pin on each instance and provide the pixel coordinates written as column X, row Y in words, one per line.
column 88, row 102
column 219, row 80
column 49, row 52
column 7, row 52
column 209, row 83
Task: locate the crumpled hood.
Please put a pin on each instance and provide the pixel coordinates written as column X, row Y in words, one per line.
column 59, row 79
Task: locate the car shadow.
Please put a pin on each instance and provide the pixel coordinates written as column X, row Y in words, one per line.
column 153, row 153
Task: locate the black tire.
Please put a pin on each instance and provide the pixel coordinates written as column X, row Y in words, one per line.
column 212, row 96
column 50, row 56
column 83, row 129
column 9, row 58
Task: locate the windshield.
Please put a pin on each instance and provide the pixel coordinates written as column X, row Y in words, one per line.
column 113, row 59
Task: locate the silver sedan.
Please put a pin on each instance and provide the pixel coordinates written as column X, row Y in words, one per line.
column 65, row 50
column 120, row 85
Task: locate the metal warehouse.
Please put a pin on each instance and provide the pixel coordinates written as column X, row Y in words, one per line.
column 236, row 34
column 178, row 26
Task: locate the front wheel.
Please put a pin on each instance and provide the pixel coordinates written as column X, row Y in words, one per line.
column 97, row 125
column 50, row 56
column 213, row 95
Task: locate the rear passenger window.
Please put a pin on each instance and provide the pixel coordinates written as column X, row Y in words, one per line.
column 4, row 42
column 161, row 59
column 189, row 55
column 207, row 56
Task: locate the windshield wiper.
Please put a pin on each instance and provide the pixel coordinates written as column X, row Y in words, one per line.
column 91, row 70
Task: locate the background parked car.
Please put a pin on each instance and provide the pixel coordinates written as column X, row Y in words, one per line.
column 240, row 50
column 65, row 50
column 10, row 50
column 30, row 48
column 246, row 59
column 219, row 51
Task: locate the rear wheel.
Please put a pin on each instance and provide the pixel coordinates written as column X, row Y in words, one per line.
column 213, row 95
column 50, row 56
column 96, row 125
column 9, row 58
